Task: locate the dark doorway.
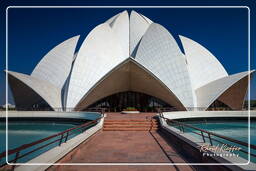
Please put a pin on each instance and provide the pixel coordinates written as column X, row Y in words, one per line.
column 218, row 105
column 129, row 99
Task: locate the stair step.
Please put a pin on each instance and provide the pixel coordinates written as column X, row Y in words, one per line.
column 129, row 120
column 112, row 126
column 128, row 123
column 129, row 126
column 129, row 129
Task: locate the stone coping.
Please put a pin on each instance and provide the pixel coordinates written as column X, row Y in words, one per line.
column 50, row 114
column 127, row 112
column 208, row 114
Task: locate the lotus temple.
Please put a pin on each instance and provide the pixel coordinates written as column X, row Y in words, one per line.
column 129, row 61
column 129, row 98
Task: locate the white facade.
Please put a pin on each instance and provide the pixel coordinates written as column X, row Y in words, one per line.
column 50, row 93
column 56, row 64
column 213, row 90
column 138, row 27
column 68, row 79
column 160, row 54
column 202, row 65
column 100, row 52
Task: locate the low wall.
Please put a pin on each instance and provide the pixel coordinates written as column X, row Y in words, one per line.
column 49, row 114
column 208, row 114
column 48, row 158
column 190, row 146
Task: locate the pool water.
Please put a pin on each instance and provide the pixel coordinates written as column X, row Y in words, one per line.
column 234, row 129
column 24, row 132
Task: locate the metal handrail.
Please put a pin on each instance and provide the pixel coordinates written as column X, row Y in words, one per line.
column 63, row 135
column 182, row 125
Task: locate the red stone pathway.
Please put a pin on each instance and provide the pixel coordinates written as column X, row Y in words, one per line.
column 123, row 147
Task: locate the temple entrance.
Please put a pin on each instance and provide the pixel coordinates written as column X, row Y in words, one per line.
column 130, row 100
column 218, row 105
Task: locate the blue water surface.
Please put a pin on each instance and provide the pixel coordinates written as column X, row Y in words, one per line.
column 234, row 129
column 22, row 132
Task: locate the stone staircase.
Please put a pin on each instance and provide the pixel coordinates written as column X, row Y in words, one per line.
column 130, row 125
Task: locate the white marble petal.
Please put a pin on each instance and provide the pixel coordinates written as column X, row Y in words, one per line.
column 138, row 27
column 160, row 54
column 56, row 64
column 50, row 93
column 207, row 94
column 202, row 65
column 99, row 53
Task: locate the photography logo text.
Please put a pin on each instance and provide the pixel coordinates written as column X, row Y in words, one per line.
column 223, row 150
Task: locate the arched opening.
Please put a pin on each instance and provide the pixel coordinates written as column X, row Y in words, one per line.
column 25, row 97
column 129, row 77
column 123, row 100
column 232, row 98
column 218, row 105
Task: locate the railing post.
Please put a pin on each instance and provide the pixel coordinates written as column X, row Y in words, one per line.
column 61, row 139
column 15, row 159
column 182, row 128
column 83, row 129
column 209, row 135
column 203, row 136
column 66, row 137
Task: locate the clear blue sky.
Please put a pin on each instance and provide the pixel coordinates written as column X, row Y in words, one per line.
column 33, row 32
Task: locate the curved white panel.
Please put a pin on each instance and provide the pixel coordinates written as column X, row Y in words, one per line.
column 207, row 94
column 50, row 93
column 56, row 64
column 202, row 65
column 74, row 57
column 234, row 96
column 99, row 53
column 138, row 27
column 121, row 29
column 160, row 54
column 147, row 19
column 112, row 19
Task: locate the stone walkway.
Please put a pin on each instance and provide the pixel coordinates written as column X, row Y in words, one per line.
column 123, row 147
